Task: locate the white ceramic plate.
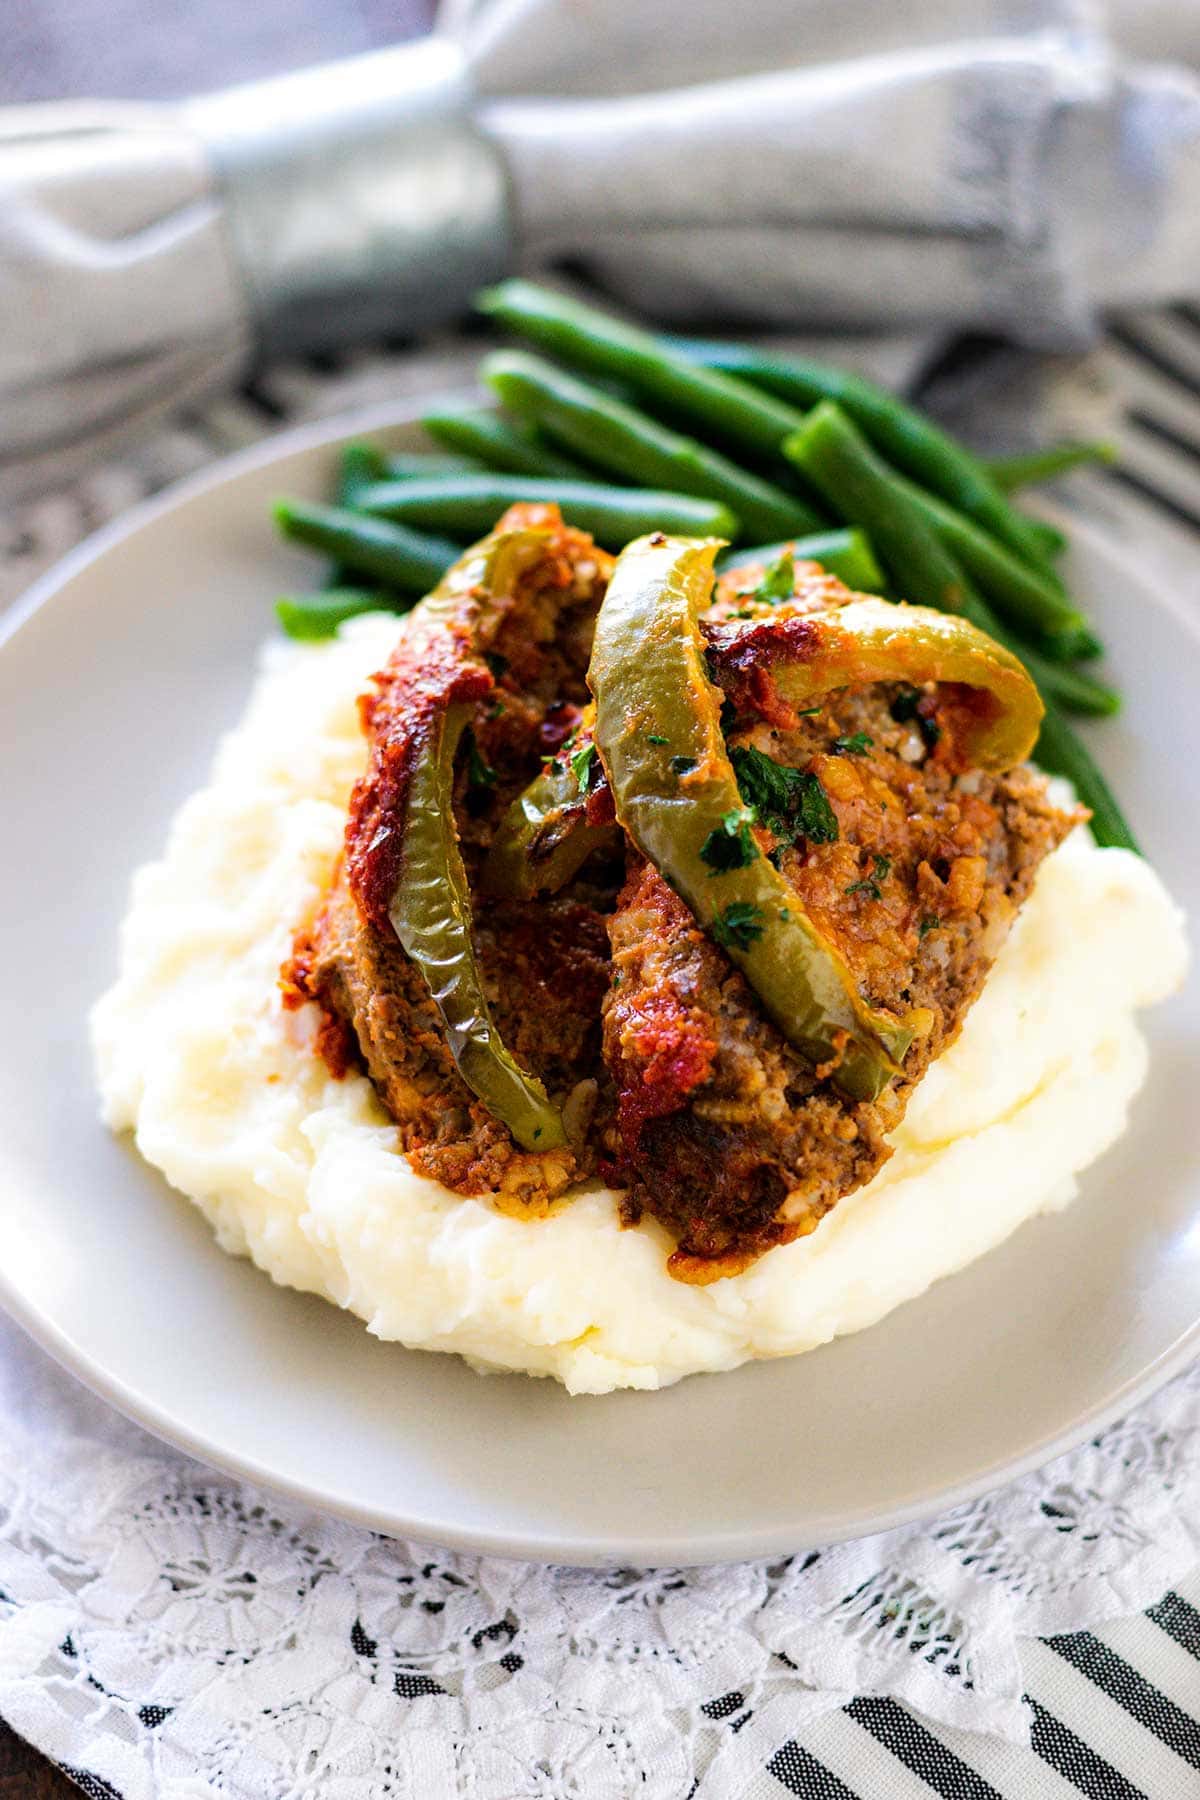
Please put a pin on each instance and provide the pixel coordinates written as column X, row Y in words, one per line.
column 115, row 680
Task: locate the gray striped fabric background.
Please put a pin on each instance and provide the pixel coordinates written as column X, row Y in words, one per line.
column 1115, row 1715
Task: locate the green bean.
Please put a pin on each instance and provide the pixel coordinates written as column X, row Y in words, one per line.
column 838, row 460
column 846, row 554
column 390, row 554
column 399, row 467
column 627, row 444
column 1051, row 540
column 1054, row 544
column 910, row 440
column 1060, row 752
column 319, row 615
column 1020, row 593
column 470, row 504
column 593, row 340
column 496, row 444
column 864, row 490
column 1009, row 472
column 358, row 466
column 1072, row 688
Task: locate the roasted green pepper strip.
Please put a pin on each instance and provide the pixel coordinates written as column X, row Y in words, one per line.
column 431, row 915
column 404, row 860
column 871, row 640
column 658, row 730
column 544, row 838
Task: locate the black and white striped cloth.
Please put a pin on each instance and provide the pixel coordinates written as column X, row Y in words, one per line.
column 1115, row 1715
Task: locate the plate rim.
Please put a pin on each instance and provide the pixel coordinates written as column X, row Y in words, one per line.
column 699, row 1549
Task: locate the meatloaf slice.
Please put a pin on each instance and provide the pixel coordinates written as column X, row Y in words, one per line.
column 544, row 972
column 724, row 1132
column 545, row 984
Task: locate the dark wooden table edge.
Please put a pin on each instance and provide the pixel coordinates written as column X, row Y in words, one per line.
column 25, row 1774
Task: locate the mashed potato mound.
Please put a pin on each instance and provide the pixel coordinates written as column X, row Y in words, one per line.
column 302, row 1173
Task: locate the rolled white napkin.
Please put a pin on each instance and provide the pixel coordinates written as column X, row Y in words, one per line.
column 949, row 162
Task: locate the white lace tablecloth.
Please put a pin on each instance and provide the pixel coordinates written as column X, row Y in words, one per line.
column 167, row 1633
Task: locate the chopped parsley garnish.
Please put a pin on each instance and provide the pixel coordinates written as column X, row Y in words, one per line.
column 779, row 581
column 730, row 845
column 480, row 774
column 870, row 884
column 928, row 923
column 790, row 802
column 652, row 737
column 738, row 925
column 857, row 744
column 818, row 821
column 581, row 766
column 683, row 765
column 765, row 785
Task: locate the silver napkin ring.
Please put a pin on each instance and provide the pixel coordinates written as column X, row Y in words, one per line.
column 360, row 199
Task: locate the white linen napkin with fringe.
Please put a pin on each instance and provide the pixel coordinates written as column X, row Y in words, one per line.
column 1012, row 164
